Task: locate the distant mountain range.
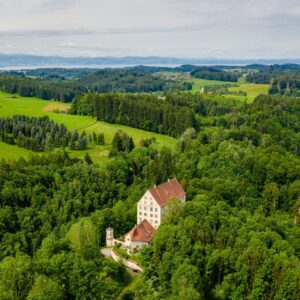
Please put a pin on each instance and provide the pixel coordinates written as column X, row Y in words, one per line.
column 18, row 61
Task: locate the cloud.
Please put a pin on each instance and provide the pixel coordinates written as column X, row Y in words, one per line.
column 159, row 27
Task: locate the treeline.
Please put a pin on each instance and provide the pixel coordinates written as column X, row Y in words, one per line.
column 54, row 85
column 283, row 79
column 289, row 86
column 203, row 105
column 215, row 74
column 125, row 81
column 140, row 111
column 60, row 73
column 44, row 89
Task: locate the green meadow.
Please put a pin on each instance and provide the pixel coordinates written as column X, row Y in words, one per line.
column 12, row 152
column 252, row 90
column 13, row 104
column 198, row 83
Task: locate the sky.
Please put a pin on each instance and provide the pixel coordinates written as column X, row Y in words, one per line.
column 177, row 28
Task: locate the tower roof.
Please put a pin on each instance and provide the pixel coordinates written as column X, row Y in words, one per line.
column 142, row 232
column 167, row 191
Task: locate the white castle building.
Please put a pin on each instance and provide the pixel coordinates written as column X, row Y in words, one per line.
column 150, row 213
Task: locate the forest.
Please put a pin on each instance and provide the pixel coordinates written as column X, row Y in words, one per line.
column 142, row 111
column 62, row 85
column 237, row 237
column 215, row 74
column 283, row 79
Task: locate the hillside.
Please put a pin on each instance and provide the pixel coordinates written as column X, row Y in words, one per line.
column 13, row 104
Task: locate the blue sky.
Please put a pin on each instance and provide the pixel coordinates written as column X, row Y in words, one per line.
column 190, row 28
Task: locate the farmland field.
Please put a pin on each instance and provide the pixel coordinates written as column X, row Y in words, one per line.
column 13, row 104
column 252, row 89
column 198, row 83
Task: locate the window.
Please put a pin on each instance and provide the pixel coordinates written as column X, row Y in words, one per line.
column 140, row 213
column 156, row 209
column 151, row 208
column 151, row 215
column 145, row 214
column 155, row 216
column 155, row 221
column 145, row 208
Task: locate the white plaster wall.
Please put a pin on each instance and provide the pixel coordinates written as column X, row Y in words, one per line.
column 149, row 209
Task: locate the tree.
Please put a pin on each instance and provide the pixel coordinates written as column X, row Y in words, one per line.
column 45, row 289
column 121, row 143
column 82, row 236
column 160, row 168
column 82, row 143
column 88, row 159
column 16, row 277
column 270, row 196
column 100, row 139
column 75, row 135
column 72, row 144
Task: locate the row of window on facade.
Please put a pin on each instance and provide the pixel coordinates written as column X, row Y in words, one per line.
column 145, row 214
column 151, row 208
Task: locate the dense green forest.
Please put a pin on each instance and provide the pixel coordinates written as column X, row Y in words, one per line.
column 62, row 85
column 215, row 74
column 142, row 111
column 170, row 114
column 45, row 89
column 237, row 237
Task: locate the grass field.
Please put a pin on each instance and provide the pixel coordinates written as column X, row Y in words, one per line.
column 198, row 83
column 13, row 104
column 252, row 90
column 11, row 152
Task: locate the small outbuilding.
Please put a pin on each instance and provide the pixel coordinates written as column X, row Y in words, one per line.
column 140, row 235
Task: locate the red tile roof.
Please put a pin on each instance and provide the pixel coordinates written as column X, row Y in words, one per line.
column 167, row 191
column 142, row 232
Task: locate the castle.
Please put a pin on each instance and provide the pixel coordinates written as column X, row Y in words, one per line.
column 151, row 210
